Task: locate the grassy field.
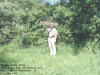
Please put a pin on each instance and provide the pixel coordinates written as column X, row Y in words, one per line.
column 64, row 63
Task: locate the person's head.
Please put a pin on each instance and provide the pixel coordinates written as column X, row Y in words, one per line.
column 51, row 25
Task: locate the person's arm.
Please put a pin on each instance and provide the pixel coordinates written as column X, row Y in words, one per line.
column 55, row 34
column 47, row 31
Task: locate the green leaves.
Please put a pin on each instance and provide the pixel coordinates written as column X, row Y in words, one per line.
column 78, row 20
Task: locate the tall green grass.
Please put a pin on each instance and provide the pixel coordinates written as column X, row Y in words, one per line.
column 66, row 62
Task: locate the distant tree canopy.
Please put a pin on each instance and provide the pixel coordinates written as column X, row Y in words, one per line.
column 79, row 20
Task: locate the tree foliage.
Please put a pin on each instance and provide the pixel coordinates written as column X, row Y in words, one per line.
column 79, row 20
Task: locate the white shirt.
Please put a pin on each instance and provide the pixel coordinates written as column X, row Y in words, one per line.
column 52, row 32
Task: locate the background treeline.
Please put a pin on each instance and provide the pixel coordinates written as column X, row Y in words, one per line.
column 79, row 21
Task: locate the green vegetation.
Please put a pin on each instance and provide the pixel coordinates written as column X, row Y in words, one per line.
column 23, row 40
column 66, row 62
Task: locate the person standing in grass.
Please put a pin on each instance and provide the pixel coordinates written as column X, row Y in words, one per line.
column 52, row 36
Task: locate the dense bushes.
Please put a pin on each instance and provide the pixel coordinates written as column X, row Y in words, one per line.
column 76, row 24
column 7, row 18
